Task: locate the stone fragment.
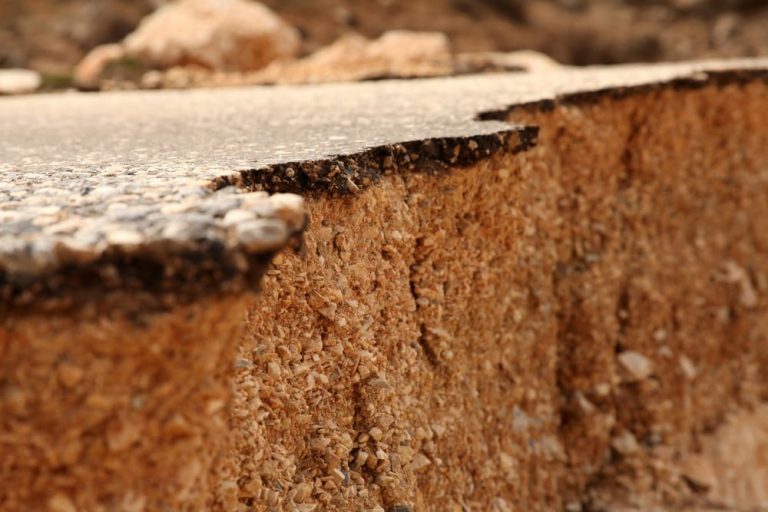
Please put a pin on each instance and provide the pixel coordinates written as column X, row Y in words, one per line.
column 376, row 433
column 507, row 463
column 121, row 434
column 233, row 35
column 397, row 53
column 124, row 237
column 89, row 71
column 237, row 216
column 501, row 505
column 603, row 389
column 438, row 429
column 699, row 473
column 584, row 405
column 19, row 81
column 70, row 375
column 625, row 444
column 262, row 234
column 635, row 366
column 688, row 368
column 736, row 274
column 289, row 208
column 60, row 503
column 573, row 506
column 521, row 421
column 420, row 462
column 132, row 502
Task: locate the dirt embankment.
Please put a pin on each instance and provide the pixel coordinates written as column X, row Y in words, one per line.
column 578, row 324
column 556, row 328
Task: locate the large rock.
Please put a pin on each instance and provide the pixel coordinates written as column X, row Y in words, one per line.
column 396, row 54
column 217, row 34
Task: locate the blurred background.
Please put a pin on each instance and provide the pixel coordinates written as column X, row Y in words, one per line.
column 52, row 37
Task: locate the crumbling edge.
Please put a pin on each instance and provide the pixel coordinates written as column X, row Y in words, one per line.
column 695, row 81
column 205, row 269
column 349, row 174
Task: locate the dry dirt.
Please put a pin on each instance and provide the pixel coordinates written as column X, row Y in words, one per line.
column 94, row 420
column 554, row 329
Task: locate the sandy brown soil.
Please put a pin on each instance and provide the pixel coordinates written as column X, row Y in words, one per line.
column 115, row 410
column 555, row 329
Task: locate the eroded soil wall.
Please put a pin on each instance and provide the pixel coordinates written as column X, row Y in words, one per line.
column 116, row 411
column 537, row 330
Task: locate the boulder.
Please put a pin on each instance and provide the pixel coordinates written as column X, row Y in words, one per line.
column 396, row 54
column 232, row 35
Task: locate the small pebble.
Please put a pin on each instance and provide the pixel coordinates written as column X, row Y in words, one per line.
column 699, row 473
column 573, row 506
column 626, row 444
column 60, row 503
column 688, row 368
column 376, row 433
column 420, row 461
column 636, row 367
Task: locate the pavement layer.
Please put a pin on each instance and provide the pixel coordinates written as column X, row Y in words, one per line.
column 94, row 185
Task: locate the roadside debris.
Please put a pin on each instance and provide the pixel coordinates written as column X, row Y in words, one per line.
column 19, row 81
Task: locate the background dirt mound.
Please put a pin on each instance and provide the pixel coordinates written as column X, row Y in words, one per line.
column 52, row 36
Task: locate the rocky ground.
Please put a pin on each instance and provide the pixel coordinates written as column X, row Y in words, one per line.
column 53, row 36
